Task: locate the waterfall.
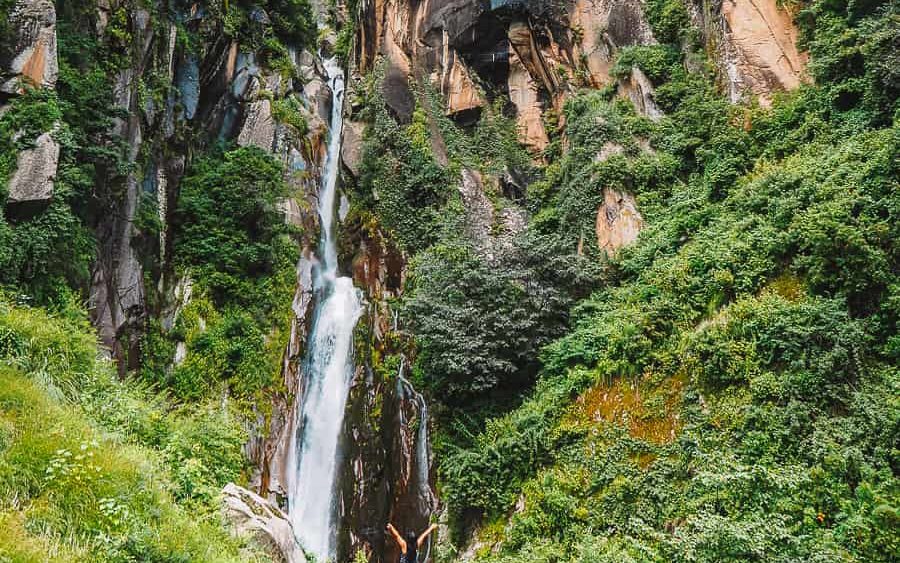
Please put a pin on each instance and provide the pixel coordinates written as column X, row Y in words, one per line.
column 327, row 371
column 424, row 494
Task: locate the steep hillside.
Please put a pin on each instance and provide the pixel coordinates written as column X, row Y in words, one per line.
column 620, row 280
column 622, row 203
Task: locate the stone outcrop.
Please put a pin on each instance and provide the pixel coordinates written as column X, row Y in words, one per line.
column 536, row 55
column 117, row 295
column 755, row 44
column 29, row 56
column 639, row 90
column 459, row 89
column 524, row 93
column 254, row 517
column 32, row 182
column 491, row 230
column 259, row 126
column 618, row 221
column 351, row 146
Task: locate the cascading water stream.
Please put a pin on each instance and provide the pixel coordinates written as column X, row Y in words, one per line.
column 422, row 482
column 328, row 368
column 424, row 493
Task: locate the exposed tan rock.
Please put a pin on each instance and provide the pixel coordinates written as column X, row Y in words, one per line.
column 231, row 60
column 603, row 26
column 639, row 90
column 385, row 30
column 459, row 88
column 35, row 170
column 760, row 49
column 253, row 516
column 523, row 92
column 618, row 221
column 30, row 54
column 522, row 43
column 755, row 46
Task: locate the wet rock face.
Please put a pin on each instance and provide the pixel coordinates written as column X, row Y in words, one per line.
column 383, row 476
column 32, row 182
column 117, row 295
column 29, row 56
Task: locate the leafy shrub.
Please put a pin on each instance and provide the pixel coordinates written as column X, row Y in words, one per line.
column 288, row 111
column 232, row 350
column 658, row 62
column 294, row 22
column 400, row 175
column 758, row 305
column 669, row 19
column 227, row 224
column 477, row 329
column 159, row 468
column 205, row 452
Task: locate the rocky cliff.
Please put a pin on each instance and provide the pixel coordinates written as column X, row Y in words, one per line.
column 533, row 56
column 524, row 59
column 183, row 83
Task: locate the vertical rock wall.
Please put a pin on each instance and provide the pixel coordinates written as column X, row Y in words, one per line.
column 754, row 43
column 28, row 59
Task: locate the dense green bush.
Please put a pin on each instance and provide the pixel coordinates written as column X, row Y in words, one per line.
column 94, row 499
column 669, row 20
column 293, row 22
column 232, row 240
column 726, row 397
column 228, row 227
column 31, row 243
column 404, row 182
column 478, row 329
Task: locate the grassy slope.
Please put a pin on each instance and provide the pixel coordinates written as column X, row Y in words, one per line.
column 730, row 394
column 92, row 469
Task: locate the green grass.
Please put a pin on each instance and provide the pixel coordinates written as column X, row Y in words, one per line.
column 66, row 484
column 98, row 469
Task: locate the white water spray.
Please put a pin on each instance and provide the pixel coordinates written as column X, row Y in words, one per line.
column 328, row 369
column 424, row 494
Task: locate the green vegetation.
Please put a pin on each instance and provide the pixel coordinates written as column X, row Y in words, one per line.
column 729, row 393
column 289, row 111
column 402, row 181
column 293, row 21
column 94, row 469
column 477, row 325
column 724, row 390
column 478, row 329
column 231, row 239
column 346, row 30
column 32, row 240
column 228, row 226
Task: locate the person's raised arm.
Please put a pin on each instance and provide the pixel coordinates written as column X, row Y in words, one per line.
column 397, row 537
column 425, row 534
